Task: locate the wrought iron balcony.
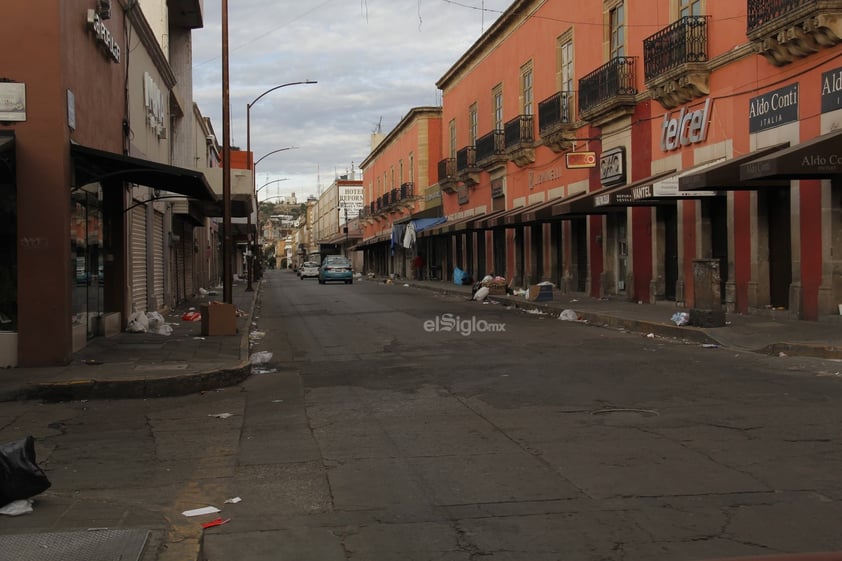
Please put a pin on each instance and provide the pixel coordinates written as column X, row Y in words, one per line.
column 406, row 190
column 393, row 196
column 467, row 170
column 519, row 139
column 675, row 62
column 786, row 30
column 609, row 91
column 555, row 121
column 447, row 174
column 491, row 149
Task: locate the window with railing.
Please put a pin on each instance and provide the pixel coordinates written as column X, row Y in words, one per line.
column 617, row 26
column 490, row 145
column 612, row 79
column 466, row 159
column 526, row 89
column 473, row 122
column 452, row 129
column 763, row 11
column 497, row 106
column 406, row 190
column 518, row 132
column 555, row 111
column 680, row 43
column 689, row 8
column 446, row 169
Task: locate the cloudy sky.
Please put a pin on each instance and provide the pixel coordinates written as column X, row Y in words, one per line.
column 373, row 60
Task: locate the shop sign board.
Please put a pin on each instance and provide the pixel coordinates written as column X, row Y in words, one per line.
column 773, row 109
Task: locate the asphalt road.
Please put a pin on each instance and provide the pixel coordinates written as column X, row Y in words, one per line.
column 375, row 434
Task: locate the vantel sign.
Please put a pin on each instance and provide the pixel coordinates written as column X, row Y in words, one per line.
column 688, row 128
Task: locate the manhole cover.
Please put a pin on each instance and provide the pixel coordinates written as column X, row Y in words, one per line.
column 92, row 545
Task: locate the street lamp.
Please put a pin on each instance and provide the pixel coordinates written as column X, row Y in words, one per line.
column 251, row 161
column 344, row 207
column 269, row 183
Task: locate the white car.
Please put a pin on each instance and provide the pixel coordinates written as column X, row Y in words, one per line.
column 308, row 269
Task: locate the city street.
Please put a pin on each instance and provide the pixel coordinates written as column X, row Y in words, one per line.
column 375, row 433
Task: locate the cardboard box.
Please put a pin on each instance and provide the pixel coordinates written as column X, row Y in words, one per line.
column 218, row 318
column 496, row 288
column 540, row 292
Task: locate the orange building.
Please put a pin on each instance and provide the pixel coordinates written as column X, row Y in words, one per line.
column 400, row 191
column 676, row 150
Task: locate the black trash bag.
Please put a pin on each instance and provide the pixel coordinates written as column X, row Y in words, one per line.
column 20, row 476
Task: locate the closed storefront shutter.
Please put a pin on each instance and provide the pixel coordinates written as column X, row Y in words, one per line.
column 138, row 258
column 158, row 259
column 189, row 257
column 178, row 272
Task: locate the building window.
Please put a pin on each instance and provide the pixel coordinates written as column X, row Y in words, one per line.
column 400, row 171
column 618, row 30
column 497, row 105
column 689, row 8
column 412, row 168
column 473, row 120
column 392, row 173
column 527, row 91
column 453, row 138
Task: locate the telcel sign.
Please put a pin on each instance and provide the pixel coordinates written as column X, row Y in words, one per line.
column 688, row 128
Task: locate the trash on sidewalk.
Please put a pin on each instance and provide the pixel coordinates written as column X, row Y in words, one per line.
column 710, row 346
column 261, row 357
column 535, row 311
column 680, row 318
column 220, row 415
column 650, row 335
column 233, row 501
column 217, row 522
column 17, row 508
column 191, row 316
column 148, row 322
column 201, row 511
column 481, row 293
column 20, row 476
column 202, row 291
column 256, row 335
column 569, row 315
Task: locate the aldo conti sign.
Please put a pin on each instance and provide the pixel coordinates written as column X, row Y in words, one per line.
column 689, row 127
column 773, row 109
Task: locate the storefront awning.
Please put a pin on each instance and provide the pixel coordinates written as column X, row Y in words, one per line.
column 819, row 158
column 92, row 165
column 240, row 207
column 516, row 217
column 611, row 199
column 7, row 156
column 464, row 224
column 542, row 212
column 726, row 175
column 497, row 219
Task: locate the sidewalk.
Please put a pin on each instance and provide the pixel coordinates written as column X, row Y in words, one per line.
column 769, row 331
column 142, row 365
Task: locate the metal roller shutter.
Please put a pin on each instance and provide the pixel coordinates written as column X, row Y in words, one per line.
column 137, row 242
column 188, row 258
column 158, row 259
column 178, row 273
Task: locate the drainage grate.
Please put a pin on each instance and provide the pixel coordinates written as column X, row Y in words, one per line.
column 91, row 545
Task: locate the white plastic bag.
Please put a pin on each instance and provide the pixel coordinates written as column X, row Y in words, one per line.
column 261, row 357
column 681, row 318
column 569, row 315
column 16, row 508
column 480, row 294
column 137, row 323
column 155, row 320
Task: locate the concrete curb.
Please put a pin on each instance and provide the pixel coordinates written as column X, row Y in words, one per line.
column 176, row 384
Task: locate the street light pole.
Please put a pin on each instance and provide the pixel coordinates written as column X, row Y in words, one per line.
column 251, row 162
column 227, row 276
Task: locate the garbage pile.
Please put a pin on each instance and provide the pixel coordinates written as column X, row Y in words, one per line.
column 20, row 477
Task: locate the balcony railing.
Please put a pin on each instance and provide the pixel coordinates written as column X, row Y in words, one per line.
column 393, row 196
column 406, row 191
column 491, row 145
column 555, row 111
column 685, row 41
column 447, row 169
column 613, row 79
column 466, row 159
column 761, row 12
column 519, row 132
